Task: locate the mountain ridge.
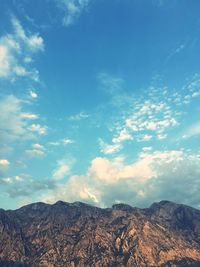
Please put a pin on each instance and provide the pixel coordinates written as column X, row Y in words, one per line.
column 79, row 234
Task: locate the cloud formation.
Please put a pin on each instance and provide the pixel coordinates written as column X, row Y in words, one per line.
column 109, row 149
column 150, row 178
column 193, row 130
column 15, row 123
column 4, row 163
column 62, row 169
column 72, row 9
column 16, row 49
column 151, row 117
column 36, row 151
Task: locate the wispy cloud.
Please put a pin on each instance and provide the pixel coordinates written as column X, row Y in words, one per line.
column 108, row 148
column 72, row 9
column 193, row 130
column 29, row 116
column 79, row 116
column 33, row 94
column 12, row 124
column 36, row 151
column 61, row 142
column 16, row 123
column 62, row 169
column 15, row 49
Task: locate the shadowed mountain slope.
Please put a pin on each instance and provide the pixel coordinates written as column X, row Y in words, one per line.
column 77, row 234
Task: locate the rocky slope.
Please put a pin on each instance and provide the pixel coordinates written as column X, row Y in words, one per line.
column 64, row 234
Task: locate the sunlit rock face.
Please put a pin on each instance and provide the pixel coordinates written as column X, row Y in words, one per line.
column 77, row 234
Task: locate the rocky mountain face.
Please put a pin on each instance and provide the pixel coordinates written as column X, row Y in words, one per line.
column 77, row 234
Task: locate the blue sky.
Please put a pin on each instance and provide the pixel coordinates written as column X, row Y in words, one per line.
column 99, row 102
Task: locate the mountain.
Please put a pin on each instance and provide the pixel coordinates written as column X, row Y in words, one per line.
column 77, row 234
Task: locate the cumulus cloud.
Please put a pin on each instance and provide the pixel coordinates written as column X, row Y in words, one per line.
column 172, row 175
column 37, row 128
column 124, row 135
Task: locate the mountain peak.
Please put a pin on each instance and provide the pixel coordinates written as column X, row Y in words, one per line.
column 43, row 235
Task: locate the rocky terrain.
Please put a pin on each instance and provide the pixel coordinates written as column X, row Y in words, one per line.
column 77, row 234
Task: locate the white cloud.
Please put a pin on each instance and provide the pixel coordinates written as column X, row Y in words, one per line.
column 4, row 163
column 80, row 116
column 154, row 115
column 33, row 41
column 152, row 177
column 7, row 180
column 54, row 143
column 195, row 94
column 109, row 149
column 110, row 84
column 38, row 146
column 4, row 61
column 41, row 130
column 62, row 170
column 33, row 94
column 145, row 137
column 36, row 151
column 29, row 116
column 151, row 117
column 62, row 142
column 15, row 49
column 72, row 9
column 140, row 118
column 67, row 141
column 123, row 136
column 18, row 178
column 193, row 130
column 161, row 136
column 16, row 124
column 147, row 148
column 12, row 125
column 20, row 71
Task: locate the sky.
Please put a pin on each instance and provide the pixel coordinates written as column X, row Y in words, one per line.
column 99, row 102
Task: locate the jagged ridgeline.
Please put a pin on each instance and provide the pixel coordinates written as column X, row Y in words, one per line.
column 77, row 234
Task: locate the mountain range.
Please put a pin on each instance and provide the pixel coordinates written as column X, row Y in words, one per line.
column 77, row 234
